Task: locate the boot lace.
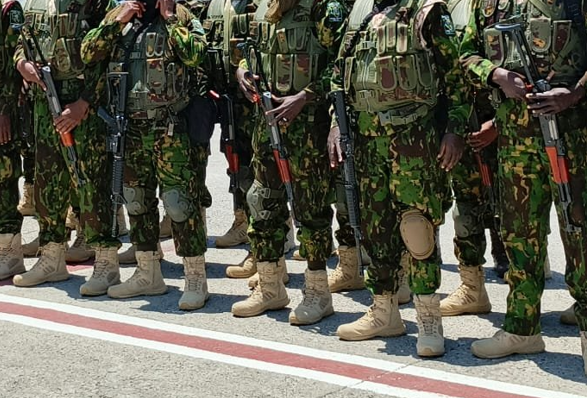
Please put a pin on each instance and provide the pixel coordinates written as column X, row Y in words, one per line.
column 311, row 297
column 100, row 267
column 194, row 282
column 79, row 241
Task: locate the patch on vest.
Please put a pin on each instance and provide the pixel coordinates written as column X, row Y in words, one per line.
column 449, row 28
column 15, row 17
column 334, row 12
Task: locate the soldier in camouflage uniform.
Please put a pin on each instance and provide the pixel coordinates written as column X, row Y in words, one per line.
column 401, row 160
column 558, row 40
column 297, row 41
column 156, row 43
column 58, row 28
column 11, row 258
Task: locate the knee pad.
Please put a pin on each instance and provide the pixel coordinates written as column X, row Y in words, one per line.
column 135, row 200
column 256, row 197
column 177, row 205
column 418, row 234
column 467, row 219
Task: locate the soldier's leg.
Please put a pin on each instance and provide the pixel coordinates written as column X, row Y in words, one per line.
column 469, row 240
column 96, row 211
column 11, row 257
column 140, row 185
column 525, row 193
column 267, row 230
column 314, row 192
column 379, row 217
column 52, row 197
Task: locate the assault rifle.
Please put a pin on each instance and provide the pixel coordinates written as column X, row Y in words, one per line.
column 266, row 102
column 117, row 124
column 486, row 174
column 553, row 142
column 29, row 41
column 351, row 188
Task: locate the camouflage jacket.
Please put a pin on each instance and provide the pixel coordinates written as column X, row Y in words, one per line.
column 439, row 34
column 92, row 74
column 10, row 80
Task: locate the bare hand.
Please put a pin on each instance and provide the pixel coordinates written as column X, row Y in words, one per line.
column 166, row 8
column 30, row 73
column 5, row 135
column 289, row 107
column 334, row 149
column 482, row 138
column 72, row 116
column 246, row 85
column 554, row 101
column 512, row 84
column 130, row 9
column 451, row 150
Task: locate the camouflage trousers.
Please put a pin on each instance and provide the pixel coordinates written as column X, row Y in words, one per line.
column 10, row 171
column 153, row 159
column 527, row 191
column 313, row 190
column 344, row 234
column 54, row 183
column 397, row 171
column 28, row 162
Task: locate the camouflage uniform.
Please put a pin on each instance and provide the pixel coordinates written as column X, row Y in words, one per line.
column 526, row 186
column 157, row 146
column 10, row 82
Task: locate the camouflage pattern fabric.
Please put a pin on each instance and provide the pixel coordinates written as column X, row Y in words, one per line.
column 526, row 190
column 10, row 171
column 398, row 171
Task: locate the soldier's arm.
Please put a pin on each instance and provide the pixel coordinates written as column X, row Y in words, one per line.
column 10, row 80
column 440, row 34
column 330, row 17
column 99, row 42
column 187, row 37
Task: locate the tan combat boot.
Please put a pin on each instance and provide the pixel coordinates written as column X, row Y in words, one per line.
column 146, row 281
column 11, row 258
column 106, row 272
column 50, row 267
column 195, row 291
column 282, row 269
column 268, row 294
column 237, row 234
column 31, row 249
column 79, row 251
column 129, row 255
column 346, row 274
column 503, row 344
column 470, row 297
column 121, row 222
column 430, row 334
column 404, row 294
column 246, row 268
column 165, row 227
column 568, row 316
column 381, row 320
column 584, row 349
column 26, row 206
column 317, row 303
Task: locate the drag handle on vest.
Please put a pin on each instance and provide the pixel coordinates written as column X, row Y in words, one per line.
column 117, row 125
column 349, row 177
column 553, row 142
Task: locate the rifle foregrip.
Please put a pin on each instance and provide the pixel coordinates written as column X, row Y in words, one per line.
column 67, row 139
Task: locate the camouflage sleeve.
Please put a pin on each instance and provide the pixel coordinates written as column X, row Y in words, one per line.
column 477, row 68
column 95, row 71
column 330, row 17
column 10, row 80
column 440, row 34
column 98, row 43
column 188, row 38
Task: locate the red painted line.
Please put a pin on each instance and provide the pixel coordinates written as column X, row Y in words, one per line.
column 414, row 383
column 70, row 268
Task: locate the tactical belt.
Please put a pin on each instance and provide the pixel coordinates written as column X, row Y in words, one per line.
column 402, row 116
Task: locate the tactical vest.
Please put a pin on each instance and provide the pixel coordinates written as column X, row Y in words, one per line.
column 460, row 12
column 158, row 80
column 554, row 41
column 59, row 27
column 292, row 55
column 389, row 68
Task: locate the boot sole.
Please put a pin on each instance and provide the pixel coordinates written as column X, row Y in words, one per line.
column 392, row 333
column 56, row 278
column 274, row 307
column 186, row 307
column 428, row 353
column 240, row 276
column 471, row 311
column 508, row 353
column 296, row 322
column 151, row 293
column 346, row 288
